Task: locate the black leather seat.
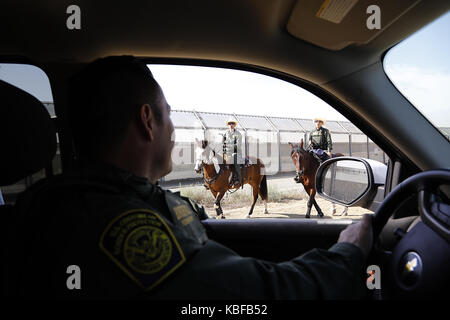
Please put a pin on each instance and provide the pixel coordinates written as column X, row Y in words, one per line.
column 27, row 144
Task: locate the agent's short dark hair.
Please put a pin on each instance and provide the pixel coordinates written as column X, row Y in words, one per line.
column 103, row 99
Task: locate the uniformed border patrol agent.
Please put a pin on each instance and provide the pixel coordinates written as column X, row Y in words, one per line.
column 319, row 143
column 320, row 140
column 232, row 140
column 132, row 239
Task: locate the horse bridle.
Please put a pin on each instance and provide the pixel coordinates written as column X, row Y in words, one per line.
column 299, row 173
column 213, row 179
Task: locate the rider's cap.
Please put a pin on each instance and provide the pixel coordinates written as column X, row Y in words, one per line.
column 231, row 120
column 320, row 119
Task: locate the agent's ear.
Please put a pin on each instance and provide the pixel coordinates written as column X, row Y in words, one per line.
column 301, row 144
column 146, row 119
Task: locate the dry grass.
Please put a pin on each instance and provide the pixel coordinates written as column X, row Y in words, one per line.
column 286, row 200
column 240, row 198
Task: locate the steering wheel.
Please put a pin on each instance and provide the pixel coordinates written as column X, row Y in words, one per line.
column 418, row 264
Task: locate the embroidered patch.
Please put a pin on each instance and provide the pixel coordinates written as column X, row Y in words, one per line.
column 143, row 246
column 184, row 214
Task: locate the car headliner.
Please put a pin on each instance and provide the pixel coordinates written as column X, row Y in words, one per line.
column 251, row 31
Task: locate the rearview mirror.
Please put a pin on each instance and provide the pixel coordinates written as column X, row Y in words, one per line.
column 350, row 181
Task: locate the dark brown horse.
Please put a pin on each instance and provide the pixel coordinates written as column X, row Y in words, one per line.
column 306, row 165
column 217, row 176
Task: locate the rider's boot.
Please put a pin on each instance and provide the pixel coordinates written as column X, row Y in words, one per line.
column 239, row 175
column 236, row 175
column 325, row 157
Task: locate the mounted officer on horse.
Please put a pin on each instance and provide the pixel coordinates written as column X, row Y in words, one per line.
column 232, row 151
column 308, row 161
column 232, row 171
column 319, row 143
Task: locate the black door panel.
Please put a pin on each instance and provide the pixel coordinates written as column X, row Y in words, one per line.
column 274, row 239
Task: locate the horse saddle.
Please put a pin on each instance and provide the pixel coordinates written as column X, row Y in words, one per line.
column 245, row 161
column 319, row 155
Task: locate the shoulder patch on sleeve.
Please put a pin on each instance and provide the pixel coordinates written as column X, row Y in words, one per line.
column 141, row 244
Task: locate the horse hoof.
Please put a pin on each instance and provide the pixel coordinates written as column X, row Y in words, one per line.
column 307, row 216
column 321, row 215
column 266, row 211
column 334, row 212
column 247, row 216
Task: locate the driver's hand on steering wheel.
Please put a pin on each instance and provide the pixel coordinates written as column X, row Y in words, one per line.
column 360, row 234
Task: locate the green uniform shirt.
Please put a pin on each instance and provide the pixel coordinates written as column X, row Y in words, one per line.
column 132, row 239
column 321, row 139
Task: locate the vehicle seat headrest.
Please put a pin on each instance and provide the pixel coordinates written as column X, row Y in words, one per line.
column 27, row 135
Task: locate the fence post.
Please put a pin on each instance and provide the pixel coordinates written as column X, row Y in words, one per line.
column 350, row 144
column 305, row 131
column 201, row 122
column 368, row 154
column 245, row 135
column 349, row 137
column 278, row 141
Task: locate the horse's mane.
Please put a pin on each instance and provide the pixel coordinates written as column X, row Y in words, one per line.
column 298, row 150
column 218, row 156
column 205, row 144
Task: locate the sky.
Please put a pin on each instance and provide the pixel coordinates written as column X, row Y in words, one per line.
column 418, row 66
column 240, row 92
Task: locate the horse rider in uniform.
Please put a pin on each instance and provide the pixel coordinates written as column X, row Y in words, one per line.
column 319, row 143
column 320, row 140
column 106, row 230
column 232, row 147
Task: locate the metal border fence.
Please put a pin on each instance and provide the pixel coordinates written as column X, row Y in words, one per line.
column 267, row 135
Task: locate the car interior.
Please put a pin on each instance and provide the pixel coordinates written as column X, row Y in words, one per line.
column 341, row 63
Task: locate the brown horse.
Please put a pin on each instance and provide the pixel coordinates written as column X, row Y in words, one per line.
column 217, row 176
column 306, row 165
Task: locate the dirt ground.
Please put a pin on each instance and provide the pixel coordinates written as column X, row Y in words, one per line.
column 290, row 209
column 279, row 208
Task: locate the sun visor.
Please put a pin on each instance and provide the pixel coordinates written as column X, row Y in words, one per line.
column 336, row 24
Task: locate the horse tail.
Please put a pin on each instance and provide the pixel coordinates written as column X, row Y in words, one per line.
column 263, row 188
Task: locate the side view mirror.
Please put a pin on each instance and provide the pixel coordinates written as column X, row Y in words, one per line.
column 351, row 181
